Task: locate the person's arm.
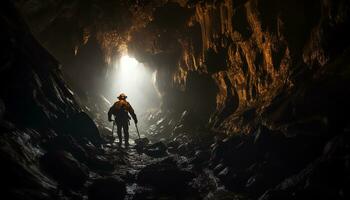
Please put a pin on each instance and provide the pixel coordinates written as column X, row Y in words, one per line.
column 132, row 113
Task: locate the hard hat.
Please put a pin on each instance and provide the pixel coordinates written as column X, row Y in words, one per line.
column 122, row 96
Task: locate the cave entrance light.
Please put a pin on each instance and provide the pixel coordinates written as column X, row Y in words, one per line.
column 136, row 81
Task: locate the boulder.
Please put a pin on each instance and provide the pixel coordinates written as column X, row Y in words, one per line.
column 324, row 178
column 201, row 157
column 82, row 127
column 64, row 168
column 111, row 188
column 166, row 171
column 172, row 146
column 69, row 144
column 141, row 144
column 156, row 150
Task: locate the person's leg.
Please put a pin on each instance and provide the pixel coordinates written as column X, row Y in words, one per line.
column 119, row 132
column 126, row 133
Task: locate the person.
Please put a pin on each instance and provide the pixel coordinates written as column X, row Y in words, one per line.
column 121, row 110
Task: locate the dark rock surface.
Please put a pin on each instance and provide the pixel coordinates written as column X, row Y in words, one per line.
column 64, row 168
column 325, row 178
column 165, row 176
column 107, row 188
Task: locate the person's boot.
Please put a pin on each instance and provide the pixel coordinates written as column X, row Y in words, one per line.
column 126, row 144
column 120, row 142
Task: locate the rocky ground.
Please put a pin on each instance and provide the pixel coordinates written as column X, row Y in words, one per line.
column 265, row 166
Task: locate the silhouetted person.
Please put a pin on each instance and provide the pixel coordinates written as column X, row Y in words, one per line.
column 120, row 110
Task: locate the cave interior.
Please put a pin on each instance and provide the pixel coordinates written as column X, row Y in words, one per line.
column 235, row 99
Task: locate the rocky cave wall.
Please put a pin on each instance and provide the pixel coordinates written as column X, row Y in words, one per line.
column 39, row 116
column 225, row 62
column 253, row 50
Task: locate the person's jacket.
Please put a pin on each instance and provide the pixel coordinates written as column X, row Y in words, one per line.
column 120, row 110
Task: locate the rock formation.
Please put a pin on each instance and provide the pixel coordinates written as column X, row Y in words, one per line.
column 254, row 93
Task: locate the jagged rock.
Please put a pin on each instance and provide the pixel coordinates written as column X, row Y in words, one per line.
column 322, row 179
column 186, row 149
column 67, row 143
column 63, row 167
column 218, row 168
column 156, row 150
column 106, row 134
column 173, row 145
column 112, row 188
column 201, row 157
column 100, row 163
column 256, row 162
column 166, row 171
column 21, row 177
column 142, row 193
column 141, row 144
column 82, row 126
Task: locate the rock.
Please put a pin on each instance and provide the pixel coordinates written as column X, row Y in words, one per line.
column 142, row 141
column 21, row 176
column 141, row 144
column 69, row 144
column 100, row 163
column 82, row 126
column 324, row 178
column 28, row 194
column 218, row 168
column 201, row 157
column 165, row 176
column 182, row 149
column 172, row 146
column 142, row 193
column 112, row 188
column 156, row 150
column 63, row 167
column 106, row 133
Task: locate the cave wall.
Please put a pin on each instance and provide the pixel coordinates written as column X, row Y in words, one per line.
column 255, row 51
column 228, row 60
column 45, row 97
column 43, row 129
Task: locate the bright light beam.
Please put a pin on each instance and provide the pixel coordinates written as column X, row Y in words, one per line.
column 133, row 79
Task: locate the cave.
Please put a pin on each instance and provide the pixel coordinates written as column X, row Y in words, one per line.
column 222, row 99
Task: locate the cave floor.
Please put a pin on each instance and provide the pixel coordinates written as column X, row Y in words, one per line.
column 167, row 170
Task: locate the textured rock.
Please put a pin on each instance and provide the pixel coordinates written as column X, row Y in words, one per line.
column 22, row 178
column 247, row 54
column 322, row 179
column 167, row 172
column 107, row 188
column 64, row 168
column 82, row 126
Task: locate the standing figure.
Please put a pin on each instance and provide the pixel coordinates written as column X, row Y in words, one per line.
column 120, row 110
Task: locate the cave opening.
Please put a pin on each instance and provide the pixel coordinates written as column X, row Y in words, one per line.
column 137, row 82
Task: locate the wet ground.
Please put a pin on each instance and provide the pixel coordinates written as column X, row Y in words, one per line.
column 184, row 179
